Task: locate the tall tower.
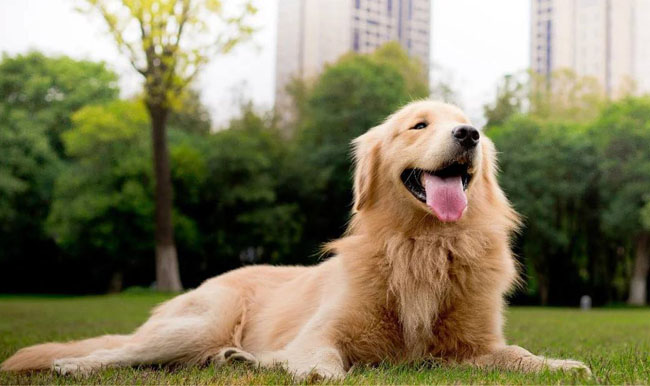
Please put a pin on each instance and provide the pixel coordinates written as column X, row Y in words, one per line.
column 312, row 33
column 606, row 39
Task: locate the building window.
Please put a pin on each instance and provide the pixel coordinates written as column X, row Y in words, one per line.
column 389, row 7
column 355, row 40
column 549, row 25
column 399, row 21
column 357, row 4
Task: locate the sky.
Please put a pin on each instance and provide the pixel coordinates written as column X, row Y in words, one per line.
column 474, row 42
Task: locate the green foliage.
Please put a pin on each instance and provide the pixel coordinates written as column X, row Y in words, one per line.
column 645, row 214
column 551, row 184
column 359, row 91
column 190, row 114
column 27, row 167
column 561, row 97
column 106, row 144
column 226, row 203
column 583, row 190
column 103, row 202
column 350, row 97
column 509, row 100
column 175, row 38
column 38, row 95
column 102, row 208
column 414, row 73
column 50, row 89
column 622, row 133
column 237, row 204
column 565, row 96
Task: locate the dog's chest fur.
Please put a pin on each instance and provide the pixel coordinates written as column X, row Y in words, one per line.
column 423, row 280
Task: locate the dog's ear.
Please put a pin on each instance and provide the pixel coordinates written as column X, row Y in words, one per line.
column 366, row 160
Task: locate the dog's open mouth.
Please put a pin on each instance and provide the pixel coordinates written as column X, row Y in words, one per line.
column 442, row 190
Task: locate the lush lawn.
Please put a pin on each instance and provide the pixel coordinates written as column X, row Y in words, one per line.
column 614, row 342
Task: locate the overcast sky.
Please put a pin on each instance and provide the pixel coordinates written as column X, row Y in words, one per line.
column 476, row 42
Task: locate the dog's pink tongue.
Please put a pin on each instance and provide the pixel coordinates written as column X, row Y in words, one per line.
column 445, row 197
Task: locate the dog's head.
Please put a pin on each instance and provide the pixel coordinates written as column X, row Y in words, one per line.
column 427, row 157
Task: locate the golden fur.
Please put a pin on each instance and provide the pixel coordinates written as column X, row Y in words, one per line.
column 401, row 286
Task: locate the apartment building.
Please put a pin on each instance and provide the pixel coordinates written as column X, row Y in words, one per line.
column 312, row 33
column 606, row 39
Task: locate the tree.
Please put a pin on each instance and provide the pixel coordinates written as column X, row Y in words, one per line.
column 28, row 166
column 414, row 73
column 510, row 98
column 563, row 96
column 552, row 185
column 242, row 216
column 622, row 133
column 102, row 209
column 168, row 42
column 38, row 94
column 190, row 115
column 348, row 98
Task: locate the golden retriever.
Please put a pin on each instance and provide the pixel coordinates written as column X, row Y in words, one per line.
column 420, row 273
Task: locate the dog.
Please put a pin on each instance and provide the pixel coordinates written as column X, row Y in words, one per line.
column 421, row 272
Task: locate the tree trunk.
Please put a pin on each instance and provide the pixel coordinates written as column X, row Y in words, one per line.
column 167, row 274
column 115, row 284
column 543, row 292
column 638, row 283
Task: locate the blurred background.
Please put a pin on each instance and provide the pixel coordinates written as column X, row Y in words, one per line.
column 157, row 143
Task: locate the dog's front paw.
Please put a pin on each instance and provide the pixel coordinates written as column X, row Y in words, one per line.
column 233, row 354
column 329, row 366
column 568, row 365
column 73, row 367
column 319, row 373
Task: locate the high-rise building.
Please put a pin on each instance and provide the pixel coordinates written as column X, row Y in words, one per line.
column 605, row 39
column 312, row 33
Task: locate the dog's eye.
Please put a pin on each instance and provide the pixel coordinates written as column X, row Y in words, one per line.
column 419, row 126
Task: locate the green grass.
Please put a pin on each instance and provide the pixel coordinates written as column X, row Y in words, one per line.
column 615, row 343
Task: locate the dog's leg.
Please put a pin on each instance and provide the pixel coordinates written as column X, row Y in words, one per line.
column 515, row 358
column 163, row 341
column 323, row 362
column 311, row 355
column 193, row 328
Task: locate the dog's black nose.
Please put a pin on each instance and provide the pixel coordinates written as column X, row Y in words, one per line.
column 466, row 135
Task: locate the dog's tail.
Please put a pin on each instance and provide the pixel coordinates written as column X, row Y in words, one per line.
column 41, row 356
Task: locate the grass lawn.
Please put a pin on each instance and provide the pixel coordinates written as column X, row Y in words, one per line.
column 615, row 343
